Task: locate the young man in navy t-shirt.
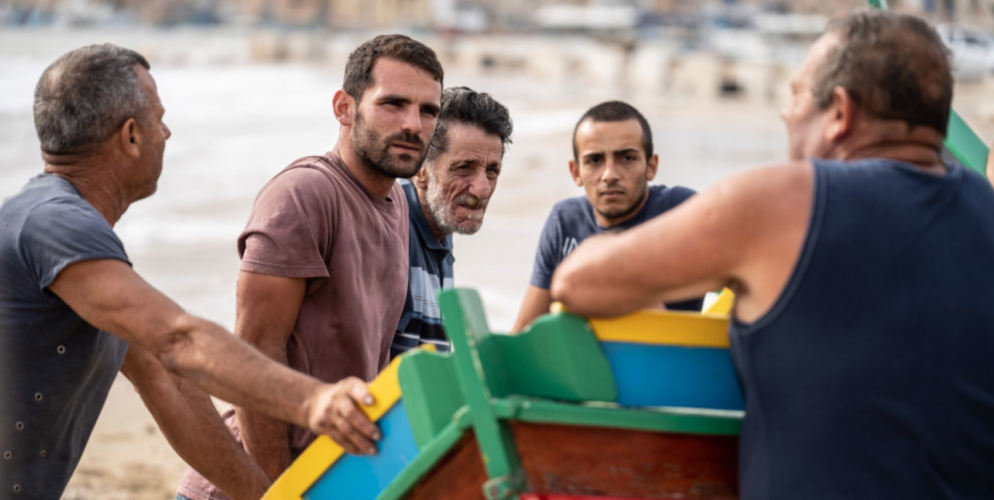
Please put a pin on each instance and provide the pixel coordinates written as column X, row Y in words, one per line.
column 613, row 162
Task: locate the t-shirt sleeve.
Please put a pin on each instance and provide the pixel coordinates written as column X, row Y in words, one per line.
column 548, row 256
column 289, row 230
column 680, row 194
column 62, row 232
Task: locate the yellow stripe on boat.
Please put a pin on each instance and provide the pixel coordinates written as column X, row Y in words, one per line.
column 664, row 328
column 722, row 306
column 324, row 452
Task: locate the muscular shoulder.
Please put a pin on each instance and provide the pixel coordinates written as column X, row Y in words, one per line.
column 66, row 217
column 761, row 204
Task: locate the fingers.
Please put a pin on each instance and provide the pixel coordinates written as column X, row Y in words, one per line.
column 359, row 421
column 359, row 391
column 345, row 434
column 343, row 421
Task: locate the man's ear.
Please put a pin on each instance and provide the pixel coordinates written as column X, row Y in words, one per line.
column 574, row 170
column 420, row 179
column 344, row 108
column 130, row 138
column 841, row 115
column 652, row 167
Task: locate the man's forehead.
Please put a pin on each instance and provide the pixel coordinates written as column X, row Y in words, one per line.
column 820, row 49
column 599, row 136
column 471, row 142
column 393, row 76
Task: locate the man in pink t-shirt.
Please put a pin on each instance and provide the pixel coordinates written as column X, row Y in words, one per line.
column 325, row 251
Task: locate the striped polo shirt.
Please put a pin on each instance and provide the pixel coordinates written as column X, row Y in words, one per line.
column 430, row 271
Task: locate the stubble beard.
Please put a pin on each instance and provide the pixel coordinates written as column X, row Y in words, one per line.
column 375, row 152
column 624, row 212
column 438, row 210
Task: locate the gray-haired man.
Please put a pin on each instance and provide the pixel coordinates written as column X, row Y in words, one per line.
column 449, row 195
column 73, row 312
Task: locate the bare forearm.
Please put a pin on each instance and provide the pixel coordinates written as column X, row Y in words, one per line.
column 194, row 429
column 266, row 440
column 236, row 372
column 536, row 303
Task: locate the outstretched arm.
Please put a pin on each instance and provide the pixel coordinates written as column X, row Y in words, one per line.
column 109, row 295
column 745, row 233
column 193, row 427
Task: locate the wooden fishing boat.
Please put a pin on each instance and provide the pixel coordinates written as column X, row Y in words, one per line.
column 645, row 406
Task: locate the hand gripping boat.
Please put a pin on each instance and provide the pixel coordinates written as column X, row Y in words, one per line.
column 639, row 407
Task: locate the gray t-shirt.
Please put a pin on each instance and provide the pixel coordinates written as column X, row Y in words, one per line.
column 55, row 369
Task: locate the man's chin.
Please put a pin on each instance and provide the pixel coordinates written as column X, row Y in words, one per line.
column 469, row 227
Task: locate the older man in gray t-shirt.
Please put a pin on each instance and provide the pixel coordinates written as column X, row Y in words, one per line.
column 54, row 383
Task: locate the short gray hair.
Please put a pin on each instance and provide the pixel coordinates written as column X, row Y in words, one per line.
column 469, row 107
column 87, row 94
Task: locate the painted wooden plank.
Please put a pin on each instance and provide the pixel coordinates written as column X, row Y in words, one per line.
column 663, row 327
column 324, row 452
column 665, row 375
column 722, row 306
column 363, row 477
column 548, row 496
column 626, row 463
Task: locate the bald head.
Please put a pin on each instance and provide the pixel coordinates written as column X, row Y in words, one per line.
column 894, row 66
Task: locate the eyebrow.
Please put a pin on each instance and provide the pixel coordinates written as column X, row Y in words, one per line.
column 626, row 150
column 594, row 154
column 431, row 107
column 394, row 98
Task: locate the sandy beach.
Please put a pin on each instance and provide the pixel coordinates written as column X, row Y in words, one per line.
column 236, row 124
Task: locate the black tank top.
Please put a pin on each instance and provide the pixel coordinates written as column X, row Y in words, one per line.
column 873, row 374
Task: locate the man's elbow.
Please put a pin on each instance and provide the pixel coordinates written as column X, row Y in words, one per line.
column 175, row 346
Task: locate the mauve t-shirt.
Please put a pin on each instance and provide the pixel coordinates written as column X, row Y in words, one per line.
column 314, row 220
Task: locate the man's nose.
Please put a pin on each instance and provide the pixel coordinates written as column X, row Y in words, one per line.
column 412, row 120
column 480, row 186
column 611, row 171
column 169, row 133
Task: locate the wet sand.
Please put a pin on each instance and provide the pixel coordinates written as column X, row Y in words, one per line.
column 236, row 125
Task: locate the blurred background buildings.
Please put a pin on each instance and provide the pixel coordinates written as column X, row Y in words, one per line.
column 458, row 15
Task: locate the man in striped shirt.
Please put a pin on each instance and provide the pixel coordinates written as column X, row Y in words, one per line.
column 448, row 195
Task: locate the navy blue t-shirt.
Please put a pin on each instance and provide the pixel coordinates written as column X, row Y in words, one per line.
column 871, row 376
column 55, row 369
column 573, row 220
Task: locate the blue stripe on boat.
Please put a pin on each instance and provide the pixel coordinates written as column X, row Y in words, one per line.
column 364, row 477
column 666, row 375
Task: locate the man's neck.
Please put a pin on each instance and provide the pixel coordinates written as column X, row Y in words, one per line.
column 96, row 182
column 378, row 184
column 918, row 146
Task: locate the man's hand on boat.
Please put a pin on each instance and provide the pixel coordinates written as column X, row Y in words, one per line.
column 334, row 410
